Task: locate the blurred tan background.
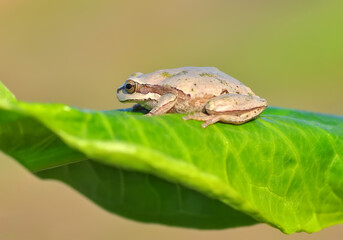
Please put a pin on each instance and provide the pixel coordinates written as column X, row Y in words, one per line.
column 78, row 52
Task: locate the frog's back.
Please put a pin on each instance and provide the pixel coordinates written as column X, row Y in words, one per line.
column 200, row 81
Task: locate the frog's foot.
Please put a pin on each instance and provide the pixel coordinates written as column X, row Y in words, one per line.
column 211, row 119
column 195, row 116
column 208, row 119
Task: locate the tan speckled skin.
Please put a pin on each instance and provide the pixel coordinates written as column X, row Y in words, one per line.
column 194, row 90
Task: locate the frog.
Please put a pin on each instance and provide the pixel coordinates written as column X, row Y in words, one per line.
column 203, row 93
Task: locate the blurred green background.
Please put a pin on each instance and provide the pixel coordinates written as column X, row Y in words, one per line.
column 78, row 52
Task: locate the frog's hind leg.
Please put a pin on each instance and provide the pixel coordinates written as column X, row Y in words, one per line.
column 236, row 119
column 223, row 112
column 211, row 119
column 234, row 108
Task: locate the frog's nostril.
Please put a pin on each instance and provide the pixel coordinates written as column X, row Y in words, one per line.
column 121, row 88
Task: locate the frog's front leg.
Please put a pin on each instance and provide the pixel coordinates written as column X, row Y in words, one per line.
column 164, row 104
column 231, row 108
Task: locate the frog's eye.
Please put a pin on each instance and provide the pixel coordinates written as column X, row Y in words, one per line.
column 130, row 87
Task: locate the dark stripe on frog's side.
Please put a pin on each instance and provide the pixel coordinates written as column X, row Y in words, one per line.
column 161, row 90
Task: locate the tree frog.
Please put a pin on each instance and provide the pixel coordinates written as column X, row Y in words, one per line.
column 206, row 93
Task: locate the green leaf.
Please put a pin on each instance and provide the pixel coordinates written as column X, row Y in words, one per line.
column 283, row 168
column 5, row 94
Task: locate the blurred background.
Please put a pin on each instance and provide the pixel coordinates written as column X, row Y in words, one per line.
column 78, row 52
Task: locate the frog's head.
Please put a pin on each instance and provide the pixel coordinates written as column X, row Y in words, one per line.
column 133, row 91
